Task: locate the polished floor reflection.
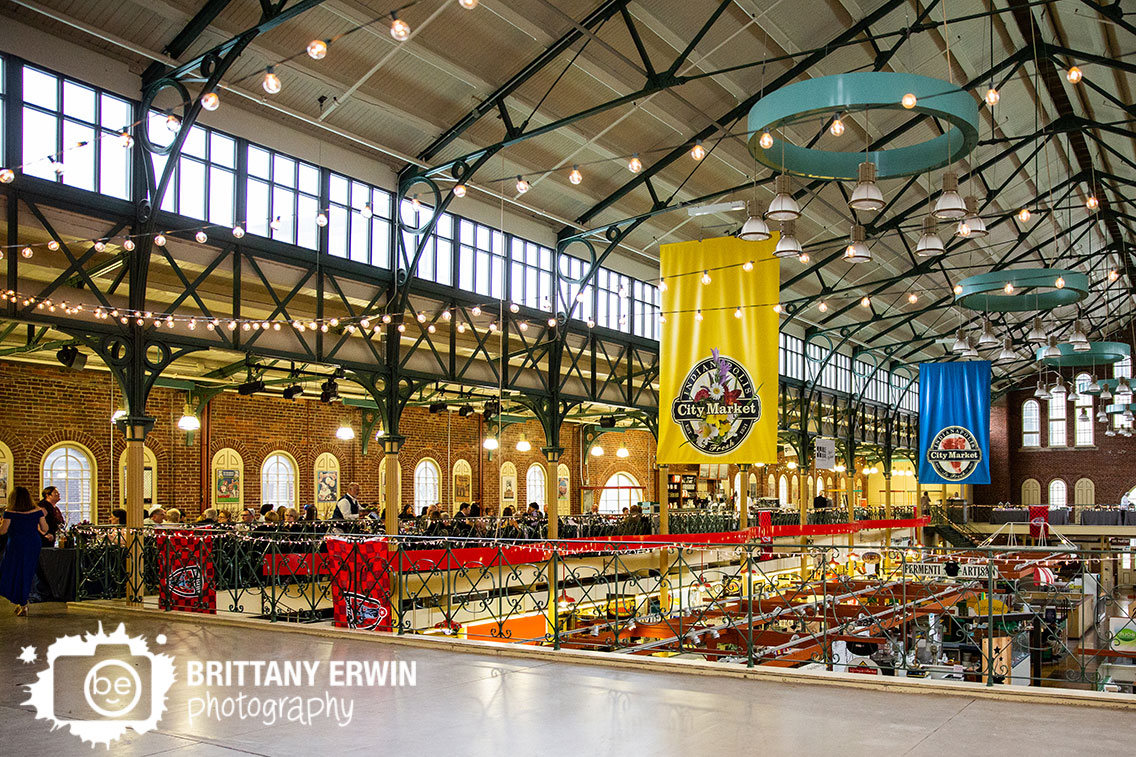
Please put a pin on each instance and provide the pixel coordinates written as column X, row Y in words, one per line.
column 484, row 705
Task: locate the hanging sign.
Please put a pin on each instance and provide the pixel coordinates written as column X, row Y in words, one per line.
column 954, row 423
column 185, row 572
column 718, row 398
column 826, row 454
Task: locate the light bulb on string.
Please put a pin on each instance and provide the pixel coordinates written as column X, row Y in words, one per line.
column 747, row 266
column 321, row 219
column 705, row 277
column 522, row 185
column 468, row 4
column 635, row 165
column 1008, row 288
column 1074, row 75
column 866, row 302
column 777, row 308
column 366, row 212
column 1113, row 275
column 698, row 152
column 1024, row 215
column 459, row 190
column 400, row 30
column 317, row 49
column 7, row 175
column 271, row 83
column 238, row 231
column 27, row 252
column 738, row 312
column 127, row 244
column 909, row 100
column 551, row 323
column 823, row 306
column 57, row 165
column 514, row 307
column 99, row 246
column 275, row 224
column 1092, row 203
column 160, row 240
column 957, row 289
column 1060, row 283
column 766, row 140
column 476, row 311
column 837, row 127
column 210, row 101
column 125, row 140
column 172, row 123
column 201, row 237
column 913, row 298
column 575, row 176
column 803, row 257
column 698, row 315
column 992, row 97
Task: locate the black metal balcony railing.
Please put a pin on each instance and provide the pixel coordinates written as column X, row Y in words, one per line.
column 1040, row 616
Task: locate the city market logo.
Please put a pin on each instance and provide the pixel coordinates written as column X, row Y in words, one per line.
column 187, row 582
column 101, row 685
column 954, row 453
column 717, row 405
column 364, row 612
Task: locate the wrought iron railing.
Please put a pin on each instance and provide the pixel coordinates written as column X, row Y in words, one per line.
column 1042, row 616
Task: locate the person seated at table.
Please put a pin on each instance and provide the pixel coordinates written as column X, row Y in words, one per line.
column 407, row 512
column 248, row 519
column 311, row 513
column 265, row 509
column 291, row 518
column 224, row 518
column 157, row 517
column 119, row 516
column 475, row 510
column 435, row 526
column 508, row 528
column 463, row 523
column 173, row 516
column 208, row 517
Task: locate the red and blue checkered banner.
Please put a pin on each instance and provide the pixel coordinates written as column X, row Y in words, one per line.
column 360, row 583
column 185, row 572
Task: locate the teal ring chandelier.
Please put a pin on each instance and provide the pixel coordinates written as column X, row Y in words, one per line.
column 859, row 92
column 1025, row 289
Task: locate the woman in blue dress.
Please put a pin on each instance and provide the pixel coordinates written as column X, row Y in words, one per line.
column 23, row 523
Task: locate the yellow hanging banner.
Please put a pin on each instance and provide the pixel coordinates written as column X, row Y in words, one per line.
column 718, row 398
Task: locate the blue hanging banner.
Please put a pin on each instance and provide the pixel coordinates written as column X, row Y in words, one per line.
column 954, row 423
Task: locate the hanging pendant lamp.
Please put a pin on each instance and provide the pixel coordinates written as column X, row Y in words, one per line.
column 1007, row 354
column 783, row 207
column 867, row 195
column 1041, row 392
column 787, row 244
column 1079, row 339
column 960, row 344
column 930, row 243
column 857, row 251
column 755, row 229
column 949, row 206
column 987, row 338
column 972, row 226
column 1051, row 350
column 1037, row 334
column 1094, row 386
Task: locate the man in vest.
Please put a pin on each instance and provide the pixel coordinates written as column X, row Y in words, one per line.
column 347, row 508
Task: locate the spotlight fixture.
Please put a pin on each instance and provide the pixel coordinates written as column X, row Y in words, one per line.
column 949, row 206
column 987, row 338
column 437, row 407
column 755, row 229
column 930, row 243
column 329, row 391
column 607, row 421
column 1079, row 339
column 1037, row 334
column 250, row 387
column 787, row 244
column 783, row 207
column 961, row 344
column 293, row 392
column 465, row 411
column 70, row 357
column 271, row 81
column 857, row 251
column 867, row 195
column 1051, row 350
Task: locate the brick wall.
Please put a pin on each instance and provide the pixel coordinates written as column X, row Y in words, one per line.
column 45, row 405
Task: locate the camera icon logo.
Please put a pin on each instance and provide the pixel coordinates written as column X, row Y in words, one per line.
column 101, row 685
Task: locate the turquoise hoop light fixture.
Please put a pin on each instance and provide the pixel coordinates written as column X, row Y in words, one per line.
column 857, row 92
column 1033, row 289
column 1099, row 353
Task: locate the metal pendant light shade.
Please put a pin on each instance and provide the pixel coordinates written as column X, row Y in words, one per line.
column 949, row 206
column 1051, row 350
column 987, row 338
column 783, row 207
column 1059, row 387
column 960, row 346
column 867, row 195
column 930, row 243
column 1094, row 385
column 972, row 226
column 755, row 229
column 971, row 351
column 1041, row 392
column 1106, row 393
column 787, row 244
column 1079, row 339
column 857, row 251
column 1007, row 354
column 1037, row 334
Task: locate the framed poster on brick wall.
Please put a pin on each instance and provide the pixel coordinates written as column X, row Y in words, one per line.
column 508, row 486
column 228, row 479
column 563, row 489
column 326, row 483
column 463, row 483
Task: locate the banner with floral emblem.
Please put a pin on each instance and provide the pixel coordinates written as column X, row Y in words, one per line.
column 718, row 352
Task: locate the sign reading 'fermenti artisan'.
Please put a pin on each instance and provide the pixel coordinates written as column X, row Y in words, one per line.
column 718, row 352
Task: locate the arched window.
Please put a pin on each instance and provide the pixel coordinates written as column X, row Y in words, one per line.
column 427, row 484
column 1057, row 424
column 796, row 485
column 69, row 468
column 613, row 500
column 1122, row 368
column 534, row 485
column 1031, row 424
column 1057, row 493
column 783, row 491
column 820, row 486
column 1031, row 492
column 1085, row 492
column 771, row 487
column 1083, row 410
column 278, row 480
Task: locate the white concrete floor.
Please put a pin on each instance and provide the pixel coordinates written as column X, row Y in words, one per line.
column 466, row 704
